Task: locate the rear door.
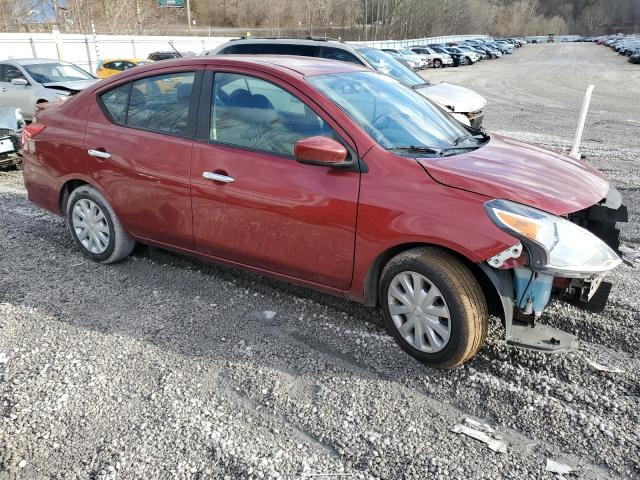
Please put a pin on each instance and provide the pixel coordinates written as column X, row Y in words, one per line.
column 138, row 140
column 272, row 213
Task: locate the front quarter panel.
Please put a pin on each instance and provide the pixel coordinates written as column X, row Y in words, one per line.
column 400, row 204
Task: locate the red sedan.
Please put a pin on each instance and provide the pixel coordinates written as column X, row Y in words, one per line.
column 334, row 177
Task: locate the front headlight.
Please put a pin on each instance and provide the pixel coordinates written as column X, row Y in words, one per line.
column 556, row 246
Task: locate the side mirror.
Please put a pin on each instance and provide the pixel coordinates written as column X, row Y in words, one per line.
column 19, row 81
column 321, row 151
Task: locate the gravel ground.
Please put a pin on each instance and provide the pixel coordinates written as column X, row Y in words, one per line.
column 166, row 367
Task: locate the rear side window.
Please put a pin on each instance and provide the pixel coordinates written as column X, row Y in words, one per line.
column 115, row 101
column 332, row 53
column 159, row 103
column 271, row 49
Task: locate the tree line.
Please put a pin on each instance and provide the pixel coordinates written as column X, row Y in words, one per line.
column 348, row 19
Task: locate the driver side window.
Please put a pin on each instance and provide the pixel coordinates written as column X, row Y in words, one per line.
column 255, row 114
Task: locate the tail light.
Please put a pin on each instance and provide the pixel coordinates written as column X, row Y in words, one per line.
column 31, row 131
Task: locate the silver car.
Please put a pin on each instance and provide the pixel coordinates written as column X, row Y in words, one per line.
column 24, row 83
column 462, row 103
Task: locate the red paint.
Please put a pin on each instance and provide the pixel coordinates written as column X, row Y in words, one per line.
column 309, row 224
column 513, row 170
column 320, row 150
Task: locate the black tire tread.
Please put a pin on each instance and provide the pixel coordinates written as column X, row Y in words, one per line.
column 471, row 296
column 124, row 244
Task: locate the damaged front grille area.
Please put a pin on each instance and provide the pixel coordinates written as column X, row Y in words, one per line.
column 601, row 218
column 15, row 137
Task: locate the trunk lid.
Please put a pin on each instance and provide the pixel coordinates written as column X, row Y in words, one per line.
column 513, row 170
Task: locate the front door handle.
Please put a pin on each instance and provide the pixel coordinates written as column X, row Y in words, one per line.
column 99, row 154
column 217, row 177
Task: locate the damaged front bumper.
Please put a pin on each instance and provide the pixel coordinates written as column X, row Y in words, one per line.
column 524, row 292
column 9, row 149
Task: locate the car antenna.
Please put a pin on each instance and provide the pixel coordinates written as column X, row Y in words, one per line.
column 174, row 48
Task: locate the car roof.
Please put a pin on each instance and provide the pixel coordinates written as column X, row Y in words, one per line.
column 293, row 41
column 133, row 60
column 33, row 61
column 292, row 65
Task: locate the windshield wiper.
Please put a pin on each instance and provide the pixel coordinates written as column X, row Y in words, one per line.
column 420, row 85
column 415, row 149
column 462, row 138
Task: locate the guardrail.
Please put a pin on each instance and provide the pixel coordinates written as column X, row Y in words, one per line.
column 87, row 50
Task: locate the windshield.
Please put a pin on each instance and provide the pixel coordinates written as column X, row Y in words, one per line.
column 407, row 52
column 385, row 63
column 395, row 116
column 56, row 72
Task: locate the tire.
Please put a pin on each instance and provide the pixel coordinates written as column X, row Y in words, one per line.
column 437, row 63
column 467, row 61
column 117, row 245
column 457, row 294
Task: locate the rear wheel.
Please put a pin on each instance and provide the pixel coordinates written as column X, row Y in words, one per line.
column 434, row 307
column 95, row 227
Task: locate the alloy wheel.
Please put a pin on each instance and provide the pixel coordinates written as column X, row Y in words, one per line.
column 419, row 312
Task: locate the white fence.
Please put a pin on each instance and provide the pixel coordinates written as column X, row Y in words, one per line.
column 87, row 50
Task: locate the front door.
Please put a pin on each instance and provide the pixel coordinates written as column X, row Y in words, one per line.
column 253, row 203
column 19, row 96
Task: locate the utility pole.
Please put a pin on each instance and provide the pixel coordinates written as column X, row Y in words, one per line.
column 188, row 13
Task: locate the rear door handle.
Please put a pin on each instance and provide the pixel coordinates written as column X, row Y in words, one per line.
column 216, row 177
column 99, row 154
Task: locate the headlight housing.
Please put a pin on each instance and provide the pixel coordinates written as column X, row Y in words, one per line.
column 556, row 246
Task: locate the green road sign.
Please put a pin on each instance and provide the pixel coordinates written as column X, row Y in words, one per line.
column 171, row 3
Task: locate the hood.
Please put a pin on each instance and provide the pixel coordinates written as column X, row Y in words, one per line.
column 460, row 98
column 512, row 170
column 74, row 86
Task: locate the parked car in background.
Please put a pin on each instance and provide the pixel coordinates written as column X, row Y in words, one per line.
column 110, row 67
column 464, row 104
column 159, row 56
column 11, row 126
column 25, row 83
column 336, row 177
column 436, row 60
column 475, row 54
column 459, row 57
column 407, row 58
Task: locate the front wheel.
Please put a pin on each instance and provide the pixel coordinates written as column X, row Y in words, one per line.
column 434, row 307
column 95, row 228
column 437, row 63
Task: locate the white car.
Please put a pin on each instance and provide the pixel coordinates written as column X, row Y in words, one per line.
column 25, row 83
column 436, row 60
column 463, row 104
column 11, row 125
column 409, row 58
